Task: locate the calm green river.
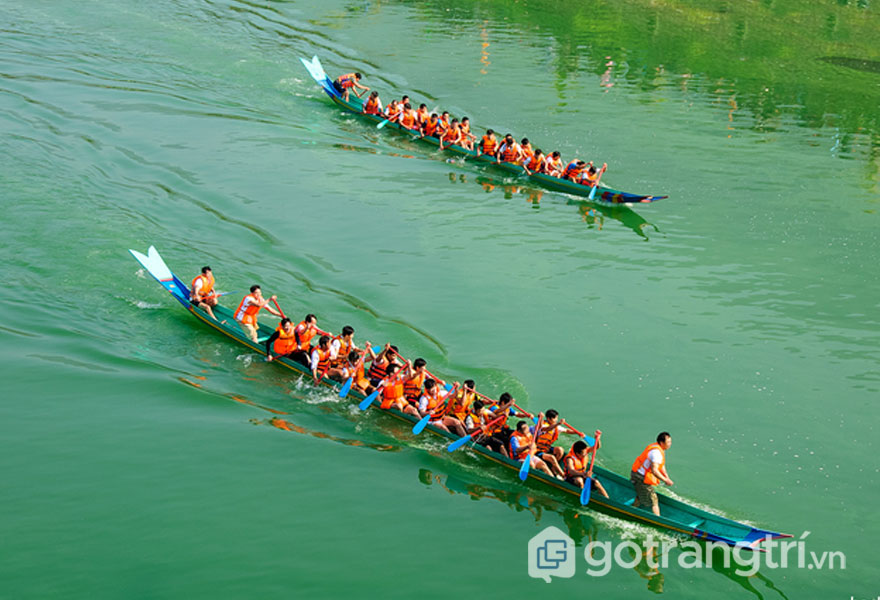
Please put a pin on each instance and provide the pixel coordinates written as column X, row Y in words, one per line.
column 145, row 456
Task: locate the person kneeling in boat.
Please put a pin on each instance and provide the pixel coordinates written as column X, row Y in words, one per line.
column 452, row 135
column 250, row 305
column 373, row 106
column 535, row 163
column 431, row 127
column 320, row 359
column 433, row 401
column 467, row 138
column 344, row 84
column 489, row 143
column 282, row 342
column 509, row 151
column 392, row 392
column 544, row 448
column 413, row 377
column 577, row 463
column 341, row 345
column 408, row 117
column 521, row 445
column 304, row 332
column 202, row 294
column 379, row 364
column 553, row 164
column 393, row 111
column 649, row 470
column 574, row 170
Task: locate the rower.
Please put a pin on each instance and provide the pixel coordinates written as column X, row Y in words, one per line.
column 520, row 445
column 392, row 392
column 282, row 342
column 489, row 144
column 452, row 135
column 250, row 305
column 305, row 330
column 649, row 470
column 413, row 378
column 202, row 294
column 393, row 111
column 509, row 150
column 491, row 436
column 380, row 363
column 589, row 176
column 320, row 359
column 553, row 164
column 461, row 402
column 577, row 464
column 434, row 401
column 544, row 448
column 467, row 138
column 444, row 120
column 346, row 83
column 373, row 106
column 353, row 368
column 408, row 116
column 422, row 115
column 431, row 127
column 573, row 170
column 526, row 148
column 535, row 163
column 341, row 345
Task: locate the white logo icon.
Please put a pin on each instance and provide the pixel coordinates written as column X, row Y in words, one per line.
column 551, row 553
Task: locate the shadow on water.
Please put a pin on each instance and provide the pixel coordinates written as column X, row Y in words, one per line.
column 583, row 529
column 593, row 214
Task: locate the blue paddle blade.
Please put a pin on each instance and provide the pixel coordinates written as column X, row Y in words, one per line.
column 420, row 426
column 448, row 387
column 593, row 195
column 382, row 124
column 458, row 443
column 524, row 469
column 589, row 440
column 346, row 387
column 585, row 493
column 365, row 404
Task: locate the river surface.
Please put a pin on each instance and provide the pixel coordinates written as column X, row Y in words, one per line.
column 145, row 456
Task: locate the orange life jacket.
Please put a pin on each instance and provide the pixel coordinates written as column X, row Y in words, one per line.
column 572, row 170
column 392, row 110
column 465, row 128
column 525, row 443
column 432, row 126
column 534, row 164
column 377, row 369
column 579, row 464
column 488, row 145
column 343, row 352
column 509, row 153
column 552, row 164
column 285, row 343
column 452, row 135
column 588, row 179
column 359, row 378
column 346, row 81
column 650, row 479
column 422, row 116
column 392, row 395
column 435, row 405
column 412, row 388
column 460, row 404
column 323, row 360
column 305, row 334
column 527, row 152
column 546, row 439
column 207, row 286
column 372, row 106
column 408, row 119
column 248, row 315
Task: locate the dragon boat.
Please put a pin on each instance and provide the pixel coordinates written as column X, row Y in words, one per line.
column 675, row 516
column 603, row 194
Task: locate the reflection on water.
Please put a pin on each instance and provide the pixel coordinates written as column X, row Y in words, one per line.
column 583, row 529
column 593, row 214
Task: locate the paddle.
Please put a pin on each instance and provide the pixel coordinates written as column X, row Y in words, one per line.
column 588, row 482
column 583, row 435
column 464, row 440
column 346, row 387
column 216, row 295
column 598, row 179
column 527, row 461
column 279, row 308
column 423, row 422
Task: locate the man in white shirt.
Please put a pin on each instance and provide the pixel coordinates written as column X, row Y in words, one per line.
column 648, row 470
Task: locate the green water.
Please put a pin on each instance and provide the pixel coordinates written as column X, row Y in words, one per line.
column 140, row 457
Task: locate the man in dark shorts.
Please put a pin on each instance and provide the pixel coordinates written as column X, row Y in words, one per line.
column 577, row 465
column 649, row 470
column 344, row 84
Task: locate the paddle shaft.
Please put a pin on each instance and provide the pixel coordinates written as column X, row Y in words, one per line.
column 598, row 179
column 593, row 458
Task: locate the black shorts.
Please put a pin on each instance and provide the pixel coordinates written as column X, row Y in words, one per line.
column 300, row 357
column 375, row 381
column 338, row 88
column 593, row 485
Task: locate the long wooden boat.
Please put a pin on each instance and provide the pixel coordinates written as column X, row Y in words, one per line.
column 603, row 194
column 675, row 516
